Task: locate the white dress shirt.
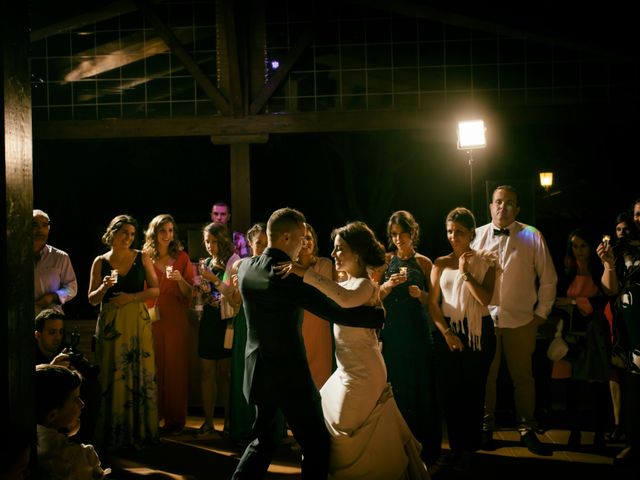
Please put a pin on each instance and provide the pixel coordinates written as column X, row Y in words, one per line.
column 526, row 286
column 53, row 273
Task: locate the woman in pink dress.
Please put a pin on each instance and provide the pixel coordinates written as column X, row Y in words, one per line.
column 587, row 332
column 171, row 329
column 316, row 332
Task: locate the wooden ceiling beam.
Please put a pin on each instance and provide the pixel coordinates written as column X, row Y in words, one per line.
column 179, row 51
column 112, row 10
column 314, row 122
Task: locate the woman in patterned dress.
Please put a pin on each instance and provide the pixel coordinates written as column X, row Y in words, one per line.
column 124, row 341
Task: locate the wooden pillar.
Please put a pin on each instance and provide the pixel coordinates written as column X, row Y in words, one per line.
column 16, row 246
column 240, row 157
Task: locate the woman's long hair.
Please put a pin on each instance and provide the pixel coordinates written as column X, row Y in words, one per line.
column 225, row 247
column 151, row 237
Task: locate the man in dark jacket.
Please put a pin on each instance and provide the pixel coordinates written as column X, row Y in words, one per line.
column 277, row 375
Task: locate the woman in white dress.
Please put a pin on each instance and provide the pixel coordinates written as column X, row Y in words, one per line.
column 369, row 438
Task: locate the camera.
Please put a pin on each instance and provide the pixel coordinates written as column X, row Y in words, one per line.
column 77, row 360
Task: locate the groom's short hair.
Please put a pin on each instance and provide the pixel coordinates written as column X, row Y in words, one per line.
column 282, row 221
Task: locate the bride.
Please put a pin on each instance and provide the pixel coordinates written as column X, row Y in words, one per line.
column 369, row 437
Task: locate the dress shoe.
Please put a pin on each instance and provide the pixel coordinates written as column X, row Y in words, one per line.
column 574, row 439
column 535, row 446
column 617, row 435
column 488, row 443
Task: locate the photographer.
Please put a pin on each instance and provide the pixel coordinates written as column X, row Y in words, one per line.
column 51, row 347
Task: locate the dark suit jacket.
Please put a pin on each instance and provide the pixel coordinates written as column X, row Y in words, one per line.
column 276, row 362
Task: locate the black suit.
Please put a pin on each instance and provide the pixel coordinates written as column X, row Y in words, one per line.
column 276, row 373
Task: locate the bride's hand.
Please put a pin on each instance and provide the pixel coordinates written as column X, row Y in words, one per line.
column 284, row 269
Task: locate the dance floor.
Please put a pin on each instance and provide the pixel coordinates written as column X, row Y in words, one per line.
column 213, row 457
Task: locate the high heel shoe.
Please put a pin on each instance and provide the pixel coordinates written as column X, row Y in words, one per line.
column 574, row 439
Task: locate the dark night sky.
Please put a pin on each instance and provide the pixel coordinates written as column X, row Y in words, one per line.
column 333, row 178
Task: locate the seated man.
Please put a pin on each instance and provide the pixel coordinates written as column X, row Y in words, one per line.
column 51, row 348
column 49, row 335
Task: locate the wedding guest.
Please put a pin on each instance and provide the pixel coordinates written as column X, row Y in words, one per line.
column 54, row 279
column 623, row 228
column 221, row 213
column 124, row 340
column 241, row 414
column 621, row 277
column 51, row 347
column 587, row 326
column 58, row 407
column 49, row 337
column 171, row 337
column 316, row 332
column 526, row 289
column 407, row 338
column 215, row 282
column 462, row 285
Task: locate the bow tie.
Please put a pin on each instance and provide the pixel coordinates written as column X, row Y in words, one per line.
column 501, row 231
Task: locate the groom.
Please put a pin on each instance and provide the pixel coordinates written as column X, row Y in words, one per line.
column 277, row 375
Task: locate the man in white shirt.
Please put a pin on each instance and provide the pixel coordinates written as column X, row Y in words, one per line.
column 54, row 279
column 524, row 295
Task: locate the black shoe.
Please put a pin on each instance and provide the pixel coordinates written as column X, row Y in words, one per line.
column 535, row 446
column 617, row 435
column 488, row 443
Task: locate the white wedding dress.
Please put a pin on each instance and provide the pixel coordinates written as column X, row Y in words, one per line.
column 369, row 437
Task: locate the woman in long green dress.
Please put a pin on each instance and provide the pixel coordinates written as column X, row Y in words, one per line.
column 241, row 414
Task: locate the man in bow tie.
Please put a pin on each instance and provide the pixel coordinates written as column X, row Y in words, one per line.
column 523, row 298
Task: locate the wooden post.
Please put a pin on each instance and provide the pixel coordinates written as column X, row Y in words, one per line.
column 16, row 247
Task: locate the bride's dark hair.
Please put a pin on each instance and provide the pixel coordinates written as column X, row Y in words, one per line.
column 363, row 242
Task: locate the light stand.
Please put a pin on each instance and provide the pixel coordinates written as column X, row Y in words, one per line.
column 470, row 153
column 471, row 136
